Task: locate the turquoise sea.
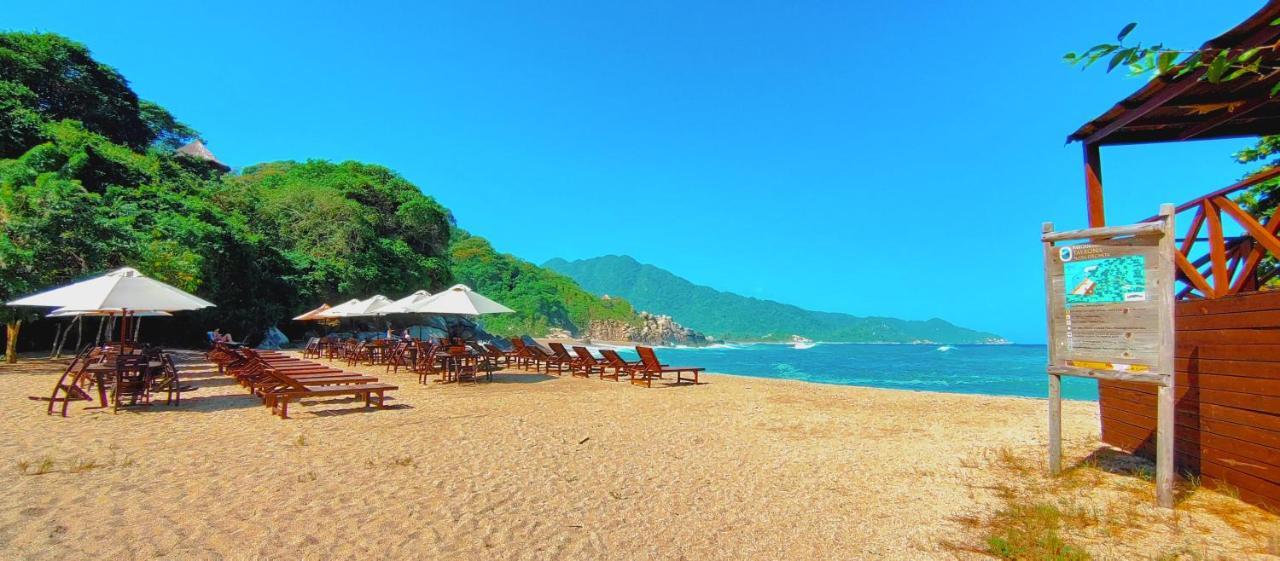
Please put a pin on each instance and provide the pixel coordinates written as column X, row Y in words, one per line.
column 1017, row 370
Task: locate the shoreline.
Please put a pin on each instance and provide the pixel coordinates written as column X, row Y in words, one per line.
column 624, row 344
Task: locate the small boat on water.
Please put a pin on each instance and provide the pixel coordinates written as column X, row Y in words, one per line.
column 801, row 343
column 946, row 348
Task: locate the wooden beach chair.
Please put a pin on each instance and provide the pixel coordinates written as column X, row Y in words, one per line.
column 562, row 355
column 619, row 365
column 585, row 364
column 295, row 390
column 651, row 368
column 544, row 357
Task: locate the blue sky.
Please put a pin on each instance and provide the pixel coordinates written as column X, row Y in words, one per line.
column 875, row 158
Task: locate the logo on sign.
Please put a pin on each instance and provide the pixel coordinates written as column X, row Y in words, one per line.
column 1064, row 254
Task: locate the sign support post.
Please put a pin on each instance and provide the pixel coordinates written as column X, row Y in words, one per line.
column 1110, row 310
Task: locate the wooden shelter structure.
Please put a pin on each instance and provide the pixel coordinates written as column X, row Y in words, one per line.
column 1227, row 325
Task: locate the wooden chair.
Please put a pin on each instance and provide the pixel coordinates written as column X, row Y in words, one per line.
column 651, row 368
column 464, row 365
column 169, row 381
column 70, row 386
column 132, row 381
column 395, row 356
column 428, row 363
column 312, row 350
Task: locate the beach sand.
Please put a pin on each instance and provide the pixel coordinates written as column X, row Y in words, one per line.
column 537, row 467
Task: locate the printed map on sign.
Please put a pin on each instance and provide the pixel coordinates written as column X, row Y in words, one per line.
column 1106, row 280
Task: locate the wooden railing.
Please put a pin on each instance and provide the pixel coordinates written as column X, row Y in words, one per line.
column 1229, row 264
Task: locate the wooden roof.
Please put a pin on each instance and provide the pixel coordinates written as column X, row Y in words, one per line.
column 1171, row 109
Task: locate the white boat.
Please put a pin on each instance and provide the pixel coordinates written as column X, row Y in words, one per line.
column 801, row 343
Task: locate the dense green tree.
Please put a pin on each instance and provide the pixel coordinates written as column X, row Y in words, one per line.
column 542, row 299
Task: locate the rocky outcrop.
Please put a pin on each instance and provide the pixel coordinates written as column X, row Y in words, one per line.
column 652, row 330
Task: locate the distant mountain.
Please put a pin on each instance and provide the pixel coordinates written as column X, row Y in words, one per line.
column 730, row 316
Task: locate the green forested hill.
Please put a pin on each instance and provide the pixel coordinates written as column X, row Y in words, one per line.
column 543, row 299
column 90, row 181
column 730, row 316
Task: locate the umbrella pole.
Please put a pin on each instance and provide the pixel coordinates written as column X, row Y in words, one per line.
column 137, row 328
column 57, row 332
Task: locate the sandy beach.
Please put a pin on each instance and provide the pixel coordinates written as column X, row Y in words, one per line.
column 538, row 467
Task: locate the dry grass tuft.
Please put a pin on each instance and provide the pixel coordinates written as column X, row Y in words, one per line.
column 1031, row 531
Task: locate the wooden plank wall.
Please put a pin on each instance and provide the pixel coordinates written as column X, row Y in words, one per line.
column 1228, row 396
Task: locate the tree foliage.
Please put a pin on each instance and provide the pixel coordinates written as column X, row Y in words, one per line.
column 89, row 181
column 1219, row 65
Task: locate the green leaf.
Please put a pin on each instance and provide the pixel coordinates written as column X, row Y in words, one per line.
column 1245, row 56
column 1275, row 88
column 1217, row 67
column 1275, row 21
column 1124, row 32
column 1236, row 74
column 1070, row 57
column 1119, row 58
column 1165, row 61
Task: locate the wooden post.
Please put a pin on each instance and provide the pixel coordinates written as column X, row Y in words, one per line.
column 1165, row 405
column 1093, row 185
column 1055, row 380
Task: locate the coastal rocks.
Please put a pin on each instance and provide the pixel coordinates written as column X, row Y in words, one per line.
column 559, row 333
column 652, row 330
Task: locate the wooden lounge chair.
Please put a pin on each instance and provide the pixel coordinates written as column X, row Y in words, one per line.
column 542, row 356
column 294, row 390
column 523, row 355
column 619, row 365
column 651, row 368
column 562, row 355
column 585, row 364
column 498, row 355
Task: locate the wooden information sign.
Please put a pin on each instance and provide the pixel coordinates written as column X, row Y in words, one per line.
column 1109, row 303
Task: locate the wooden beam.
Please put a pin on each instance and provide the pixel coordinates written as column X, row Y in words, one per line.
column 1217, row 248
column 1190, row 240
column 1194, row 278
column 1105, row 232
column 1255, row 256
column 1093, row 185
column 1230, row 115
column 1166, row 401
column 1250, row 224
column 1237, row 186
column 1169, row 91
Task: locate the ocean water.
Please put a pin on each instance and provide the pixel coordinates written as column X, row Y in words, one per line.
column 1017, row 370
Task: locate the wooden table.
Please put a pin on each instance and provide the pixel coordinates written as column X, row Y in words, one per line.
column 101, row 369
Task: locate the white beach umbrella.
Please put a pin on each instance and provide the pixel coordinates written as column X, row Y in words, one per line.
column 358, row 308
column 405, row 305
column 67, row 313
column 314, row 315
column 337, row 311
column 459, row 299
column 122, row 290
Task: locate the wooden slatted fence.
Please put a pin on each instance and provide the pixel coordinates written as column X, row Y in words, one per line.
column 1227, row 362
